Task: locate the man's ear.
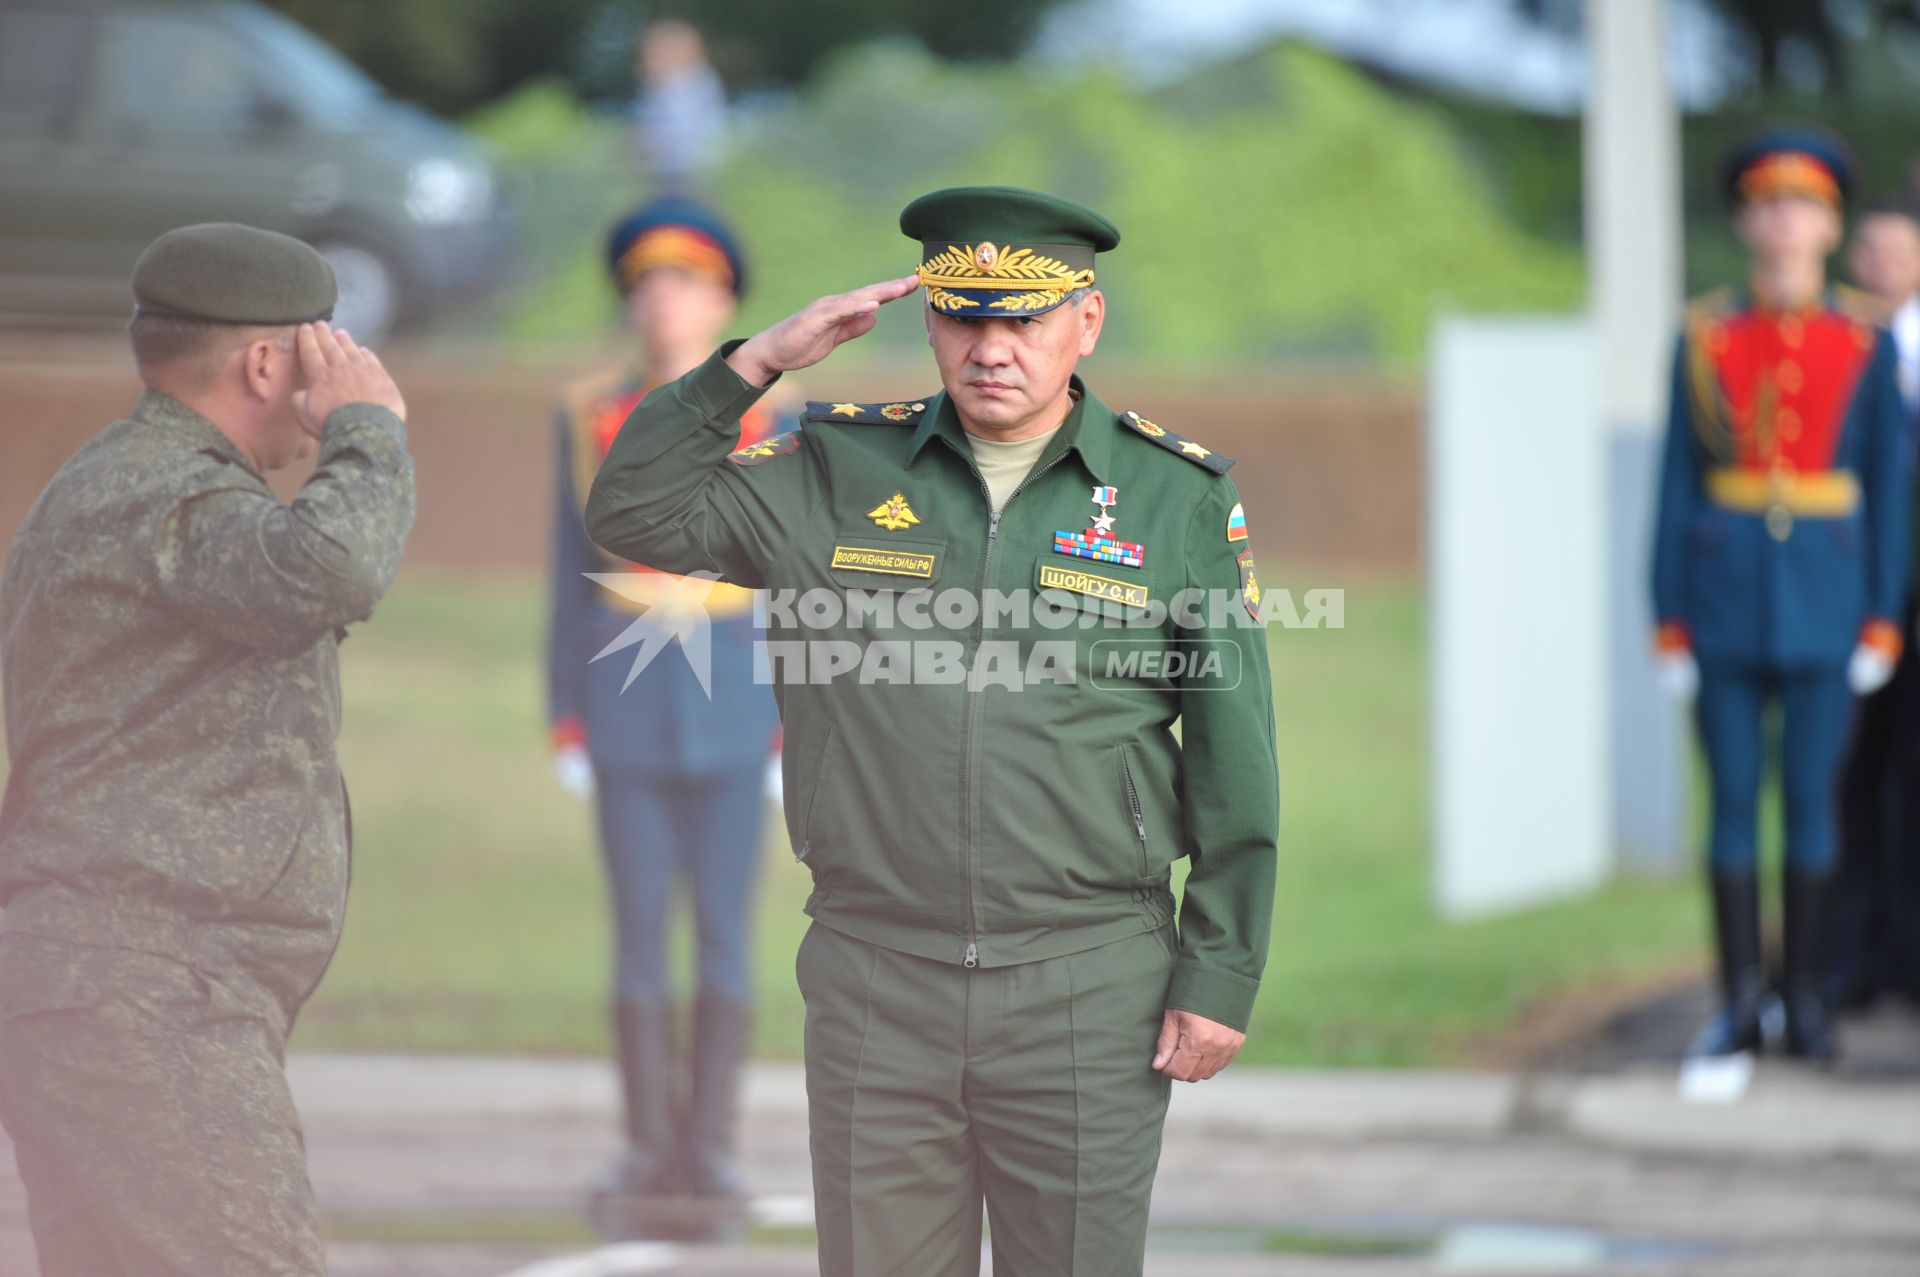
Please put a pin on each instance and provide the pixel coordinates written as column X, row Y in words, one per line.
column 1093, row 317
column 260, row 369
column 926, row 316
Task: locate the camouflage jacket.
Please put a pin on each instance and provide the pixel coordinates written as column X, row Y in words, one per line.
column 168, row 632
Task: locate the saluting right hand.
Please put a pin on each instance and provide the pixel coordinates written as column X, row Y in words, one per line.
column 809, row 335
column 339, row 373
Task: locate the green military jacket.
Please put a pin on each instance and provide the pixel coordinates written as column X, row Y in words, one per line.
column 991, row 786
column 168, row 632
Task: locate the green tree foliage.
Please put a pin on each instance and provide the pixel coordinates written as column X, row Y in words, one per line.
column 454, row 54
column 1532, row 162
column 755, row 41
column 1285, row 204
column 1823, row 37
column 447, row 54
column 1816, row 29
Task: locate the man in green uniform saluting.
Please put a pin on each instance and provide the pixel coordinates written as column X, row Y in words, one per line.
column 174, row 841
column 988, row 608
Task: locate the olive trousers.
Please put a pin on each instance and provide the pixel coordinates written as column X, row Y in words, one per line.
column 933, row 1089
column 150, row 1118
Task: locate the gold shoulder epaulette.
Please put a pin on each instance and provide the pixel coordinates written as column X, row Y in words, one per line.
column 1862, row 306
column 1710, row 305
column 1196, row 453
column 581, row 394
column 868, row 414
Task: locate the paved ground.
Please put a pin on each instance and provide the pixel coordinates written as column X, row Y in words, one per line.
column 454, row 1167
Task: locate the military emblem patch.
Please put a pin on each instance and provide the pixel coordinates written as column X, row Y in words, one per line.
column 896, row 412
column 1249, row 583
column 766, row 450
column 894, row 513
column 1237, row 523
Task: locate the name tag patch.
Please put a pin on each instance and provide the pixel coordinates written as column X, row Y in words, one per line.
column 890, row 562
column 1056, row 577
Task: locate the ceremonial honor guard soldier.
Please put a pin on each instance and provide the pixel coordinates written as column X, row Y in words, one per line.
column 1779, row 559
column 997, row 995
column 672, row 755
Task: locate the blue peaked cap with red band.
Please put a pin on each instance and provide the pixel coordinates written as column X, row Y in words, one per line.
column 673, row 211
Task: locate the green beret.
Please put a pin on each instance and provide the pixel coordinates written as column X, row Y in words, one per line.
column 1003, row 251
column 232, row 274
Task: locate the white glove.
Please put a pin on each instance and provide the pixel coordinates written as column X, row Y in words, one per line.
column 574, row 770
column 1679, row 674
column 1869, row 670
column 773, row 784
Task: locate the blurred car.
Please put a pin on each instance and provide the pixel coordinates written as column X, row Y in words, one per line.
column 120, row 119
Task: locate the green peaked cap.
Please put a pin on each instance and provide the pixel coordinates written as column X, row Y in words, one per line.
column 1003, row 251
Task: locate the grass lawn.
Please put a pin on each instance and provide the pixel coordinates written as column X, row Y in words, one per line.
column 478, row 923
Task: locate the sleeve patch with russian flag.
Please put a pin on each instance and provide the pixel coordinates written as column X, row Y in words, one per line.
column 1237, row 523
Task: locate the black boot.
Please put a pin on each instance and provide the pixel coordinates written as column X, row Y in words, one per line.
column 720, row 1030
column 1810, row 1032
column 643, row 1038
column 1743, row 981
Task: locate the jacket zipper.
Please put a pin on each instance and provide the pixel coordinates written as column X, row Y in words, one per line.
column 971, row 956
column 1133, row 805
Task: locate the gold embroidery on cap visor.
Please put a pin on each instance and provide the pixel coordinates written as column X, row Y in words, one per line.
column 1026, row 279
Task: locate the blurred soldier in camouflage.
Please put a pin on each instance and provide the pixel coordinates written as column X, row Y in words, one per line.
column 173, row 844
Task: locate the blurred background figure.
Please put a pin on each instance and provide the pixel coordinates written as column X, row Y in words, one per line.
column 1779, row 560
column 680, row 113
column 675, row 767
column 1877, row 892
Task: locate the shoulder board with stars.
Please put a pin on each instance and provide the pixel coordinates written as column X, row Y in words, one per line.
column 900, row 413
column 1196, row 453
